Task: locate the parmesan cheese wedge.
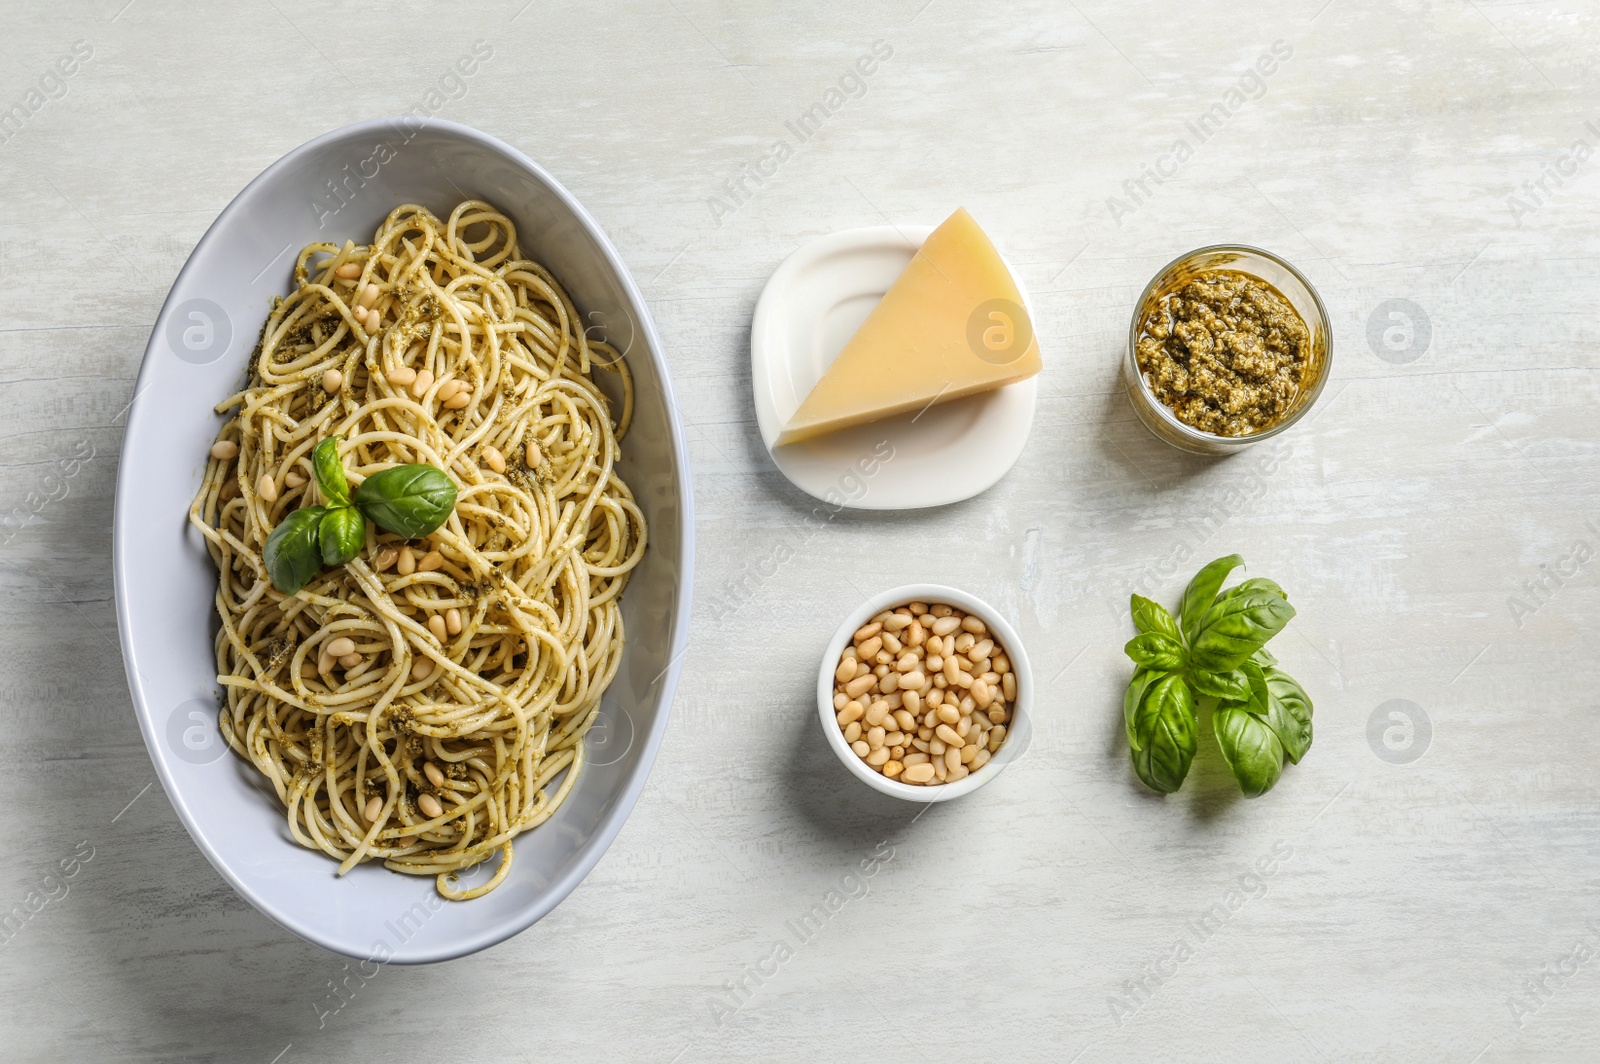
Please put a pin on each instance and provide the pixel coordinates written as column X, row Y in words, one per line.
column 953, row 324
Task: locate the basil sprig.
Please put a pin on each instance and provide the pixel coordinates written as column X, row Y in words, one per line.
column 408, row 500
column 1215, row 648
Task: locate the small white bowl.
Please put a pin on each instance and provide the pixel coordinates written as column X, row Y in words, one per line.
column 1018, row 733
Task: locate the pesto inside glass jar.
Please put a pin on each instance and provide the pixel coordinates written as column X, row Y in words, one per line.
column 1224, row 351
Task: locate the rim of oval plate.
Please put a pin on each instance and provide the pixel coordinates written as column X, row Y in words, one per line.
column 1018, row 736
column 809, row 309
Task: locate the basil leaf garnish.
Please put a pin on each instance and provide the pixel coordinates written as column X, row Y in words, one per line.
column 330, row 472
column 1151, row 616
column 1156, row 651
column 408, row 500
column 1231, row 684
column 1202, row 592
column 342, row 535
column 1279, row 700
column 1167, row 729
column 290, row 554
column 1142, row 679
column 1249, row 747
column 1236, row 627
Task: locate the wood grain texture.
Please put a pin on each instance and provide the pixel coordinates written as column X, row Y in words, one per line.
column 1062, row 913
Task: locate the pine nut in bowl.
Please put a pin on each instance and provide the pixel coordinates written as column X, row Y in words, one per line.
column 937, row 697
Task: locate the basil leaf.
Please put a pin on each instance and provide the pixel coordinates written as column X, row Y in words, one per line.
column 1142, row 679
column 1151, row 616
column 290, row 553
column 1202, row 592
column 1156, row 651
column 330, row 472
column 1236, row 627
column 1279, row 700
column 408, row 500
column 1263, row 656
column 1232, row 685
column 1165, row 724
column 342, row 535
column 1249, row 747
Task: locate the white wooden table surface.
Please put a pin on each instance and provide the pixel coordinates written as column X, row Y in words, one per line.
column 1432, row 886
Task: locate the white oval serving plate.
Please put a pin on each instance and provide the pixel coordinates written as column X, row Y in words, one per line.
column 811, row 306
column 337, row 187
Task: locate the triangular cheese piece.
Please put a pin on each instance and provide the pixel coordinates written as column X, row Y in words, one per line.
column 952, row 324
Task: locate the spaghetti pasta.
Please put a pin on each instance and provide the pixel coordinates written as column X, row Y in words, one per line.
column 453, row 719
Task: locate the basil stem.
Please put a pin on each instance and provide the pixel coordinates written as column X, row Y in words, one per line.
column 330, row 472
column 290, row 554
column 408, row 500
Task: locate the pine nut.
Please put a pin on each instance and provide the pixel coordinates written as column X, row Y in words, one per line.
column 964, row 643
column 267, row 489
column 918, row 773
column 963, row 678
column 349, row 272
column 401, row 376
column 331, row 379
column 907, row 722
column 906, row 663
column 958, row 773
column 1008, row 686
column 851, row 712
column 911, row 700
column 890, row 682
column 421, row 669
column 430, row 561
column 839, row 700
column 941, row 609
column 939, row 771
column 869, row 648
column 452, row 621
column 916, row 757
column 404, row 841
column 916, row 634
column 845, row 672
column 949, row 736
column 435, row 777
column 447, row 389
column 876, row 713
column 420, row 386
column 1002, row 664
column 948, row 714
column 895, row 739
column 981, row 694
column 883, row 657
column 973, row 624
column 952, row 758
column 979, row 759
column 384, row 558
column 437, row 627
column 997, row 715
column 951, row 670
column 937, row 747
column 860, row 685
column 968, row 752
column 896, row 621
column 878, row 757
column 369, row 295
column 963, row 727
column 945, row 625
column 913, row 681
column 430, row 806
column 861, row 749
column 458, row 401
column 294, row 478
column 341, row 646
column 407, row 562
column 534, row 458
column 982, row 649
column 862, row 668
column 494, row 459
column 875, row 736
column 997, row 735
column 852, row 731
column 893, row 768
column 374, row 807
column 866, row 632
column 225, row 450
column 350, row 661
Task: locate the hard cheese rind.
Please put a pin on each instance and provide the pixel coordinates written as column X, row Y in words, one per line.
column 953, row 324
